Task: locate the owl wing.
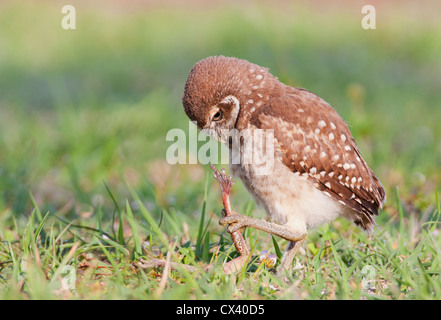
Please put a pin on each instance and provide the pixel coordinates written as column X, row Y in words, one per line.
column 312, row 140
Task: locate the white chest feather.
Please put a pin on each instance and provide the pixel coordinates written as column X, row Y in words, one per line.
column 288, row 198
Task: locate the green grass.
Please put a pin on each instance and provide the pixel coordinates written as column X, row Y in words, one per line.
column 85, row 190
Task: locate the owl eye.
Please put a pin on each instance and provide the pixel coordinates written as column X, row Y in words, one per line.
column 218, row 116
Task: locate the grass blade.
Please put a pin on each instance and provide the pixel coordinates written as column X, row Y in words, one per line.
column 120, row 236
column 37, row 209
column 148, row 217
column 112, row 262
column 134, row 227
column 277, row 248
column 201, row 221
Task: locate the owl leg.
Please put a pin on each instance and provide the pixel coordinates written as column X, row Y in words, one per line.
column 237, row 221
column 289, row 255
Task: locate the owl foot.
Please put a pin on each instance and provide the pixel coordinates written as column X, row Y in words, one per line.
column 235, row 265
column 288, row 256
column 235, row 222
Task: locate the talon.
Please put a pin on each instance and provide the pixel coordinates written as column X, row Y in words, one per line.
column 227, row 220
column 235, row 222
column 235, row 227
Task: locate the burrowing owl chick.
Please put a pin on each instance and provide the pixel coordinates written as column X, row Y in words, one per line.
column 317, row 172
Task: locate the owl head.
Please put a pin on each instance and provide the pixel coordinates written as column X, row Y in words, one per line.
column 220, row 91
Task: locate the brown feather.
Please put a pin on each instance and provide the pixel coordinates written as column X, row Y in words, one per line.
column 317, row 136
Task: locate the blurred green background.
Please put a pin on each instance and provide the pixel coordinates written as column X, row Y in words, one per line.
column 82, row 107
